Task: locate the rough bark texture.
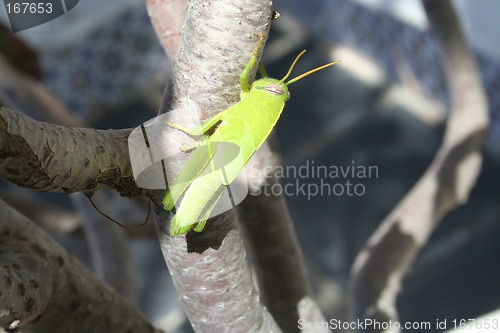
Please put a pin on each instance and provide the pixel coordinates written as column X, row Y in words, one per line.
column 213, row 280
column 380, row 267
column 47, row 157
column 44, row 289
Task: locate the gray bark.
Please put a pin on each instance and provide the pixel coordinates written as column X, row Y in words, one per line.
column 47, row 157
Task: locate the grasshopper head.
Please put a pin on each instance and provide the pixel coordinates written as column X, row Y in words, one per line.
column 279, row 88
column 273, row 88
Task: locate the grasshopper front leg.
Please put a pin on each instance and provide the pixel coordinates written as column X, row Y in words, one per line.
column 245, row 86
column 199, row 130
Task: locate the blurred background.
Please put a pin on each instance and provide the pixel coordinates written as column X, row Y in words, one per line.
column 384, row 106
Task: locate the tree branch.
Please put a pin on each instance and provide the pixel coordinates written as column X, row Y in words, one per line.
column 388, row 254
column 44, row 289
column 209, row 269
column 47, row 157
column 23, row 93
column 167, row 17
column 275, row 250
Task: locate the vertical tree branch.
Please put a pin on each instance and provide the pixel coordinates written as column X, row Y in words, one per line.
column 209, row 269
column 388, row 254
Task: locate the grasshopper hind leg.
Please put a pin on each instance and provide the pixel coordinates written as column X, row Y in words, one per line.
column 205, row 214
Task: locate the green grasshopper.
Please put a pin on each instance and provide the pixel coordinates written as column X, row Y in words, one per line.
column 246, row 124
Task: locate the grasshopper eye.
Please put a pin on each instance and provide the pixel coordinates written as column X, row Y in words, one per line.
column 274, row 89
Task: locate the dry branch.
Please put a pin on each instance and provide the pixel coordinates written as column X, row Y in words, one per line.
column 388, row 254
